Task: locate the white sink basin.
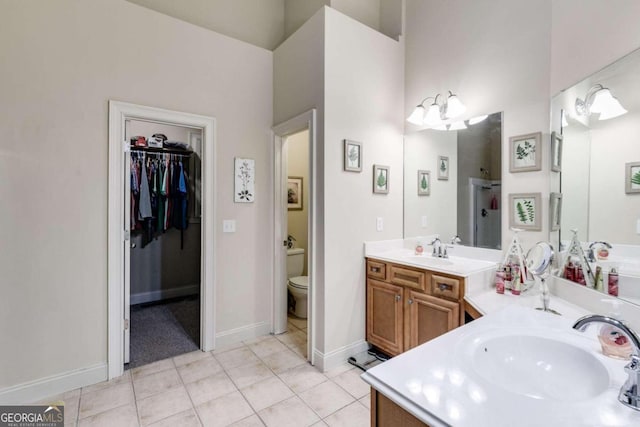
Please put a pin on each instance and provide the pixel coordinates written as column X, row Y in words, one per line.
column 428, row 260
column 539, row 367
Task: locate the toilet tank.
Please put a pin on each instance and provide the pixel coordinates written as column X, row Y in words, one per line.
column 295, row 262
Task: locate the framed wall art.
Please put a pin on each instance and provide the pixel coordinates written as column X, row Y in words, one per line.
column 443, row 168
column 632, row 178
column 245, row 175
column 294, row 193
column 525, row 154
column 525, row 210
column 555, row 211
column 424, row 183
column 352, row 156
column 556, row 152
column 380, row 179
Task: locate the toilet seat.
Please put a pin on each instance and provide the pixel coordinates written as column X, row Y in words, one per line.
column 299, row 282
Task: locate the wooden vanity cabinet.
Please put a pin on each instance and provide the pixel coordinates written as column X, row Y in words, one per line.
column 386, row 413
column 409, row 306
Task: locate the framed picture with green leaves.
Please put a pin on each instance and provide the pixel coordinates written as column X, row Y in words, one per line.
column 443, row 168
column 380, row 179
column 632, row 178
column 525, row 154
column 424, row 183
column 525, row 211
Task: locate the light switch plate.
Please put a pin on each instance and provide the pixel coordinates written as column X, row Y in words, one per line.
column 423, row 221
column 229, row 226
column 379, row 224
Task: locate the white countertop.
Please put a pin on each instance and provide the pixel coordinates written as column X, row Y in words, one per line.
column 436, row 383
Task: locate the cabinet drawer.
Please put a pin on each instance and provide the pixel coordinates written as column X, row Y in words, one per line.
column 406, row 277
column 376, row 269
column 445, row 287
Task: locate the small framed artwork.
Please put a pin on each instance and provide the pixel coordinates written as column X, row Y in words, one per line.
column 555, row 211
column 352, row 156
column 443, row 168
column 525, row 211
column 524, row 153
column 245, row 173
column 632, row 178
column 424, row 183
column 556, row 152
column 380, row 179
column 294, row 193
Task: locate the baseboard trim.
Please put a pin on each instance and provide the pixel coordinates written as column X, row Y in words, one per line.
column 243, row 333
column 183, row 291
column 331, row 360
column 34, row 391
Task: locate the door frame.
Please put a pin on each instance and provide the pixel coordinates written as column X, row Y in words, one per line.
column 119, row 113
column 306, row 120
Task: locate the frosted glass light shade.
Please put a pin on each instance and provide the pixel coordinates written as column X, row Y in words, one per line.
column 601, row 101
column 478, row 119
column 457, row 125
column 455, row 107
column 433, row 115
column 417, row 117
column 613, row 109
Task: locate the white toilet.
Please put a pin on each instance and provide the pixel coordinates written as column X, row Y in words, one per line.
column 297, row 284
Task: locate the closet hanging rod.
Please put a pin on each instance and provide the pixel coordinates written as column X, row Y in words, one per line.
column 179, row 152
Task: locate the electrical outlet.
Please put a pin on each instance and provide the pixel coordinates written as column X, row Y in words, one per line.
column 229, row 226
column 379, row 224
column 423, row 221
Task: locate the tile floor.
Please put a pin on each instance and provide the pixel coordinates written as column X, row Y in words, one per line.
column 263, row 382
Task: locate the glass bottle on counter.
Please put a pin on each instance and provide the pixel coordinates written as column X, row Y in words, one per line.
column 500, row 280
column 613, row 282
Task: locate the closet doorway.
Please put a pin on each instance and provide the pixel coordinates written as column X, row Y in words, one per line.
column 161, row 228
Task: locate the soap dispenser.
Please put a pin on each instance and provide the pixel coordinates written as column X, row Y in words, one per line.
column 614, row 342
column 419, row 249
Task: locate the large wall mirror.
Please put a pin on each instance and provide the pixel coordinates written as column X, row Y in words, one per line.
column 599, row 162
column 453, row 183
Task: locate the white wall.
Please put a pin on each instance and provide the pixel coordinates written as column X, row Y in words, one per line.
column 297, row 12
column 70, row 57
column 495, row 56
column 365, row 11
column 363, row 102
column 298, row 165
column 257, row 22
column 421, row 151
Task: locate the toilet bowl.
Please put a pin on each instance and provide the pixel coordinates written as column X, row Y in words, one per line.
column 298, row 288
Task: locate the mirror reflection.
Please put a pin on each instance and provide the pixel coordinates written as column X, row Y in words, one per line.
column 599, row 119
column 452, row 183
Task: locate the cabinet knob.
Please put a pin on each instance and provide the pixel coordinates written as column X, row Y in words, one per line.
column 410, row 301
column 398, row 297
column 444, row 287
column 375, row 269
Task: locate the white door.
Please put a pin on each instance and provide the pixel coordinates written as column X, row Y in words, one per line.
column 127, row 252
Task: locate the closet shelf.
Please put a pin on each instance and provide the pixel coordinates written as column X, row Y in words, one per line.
column 162, row 150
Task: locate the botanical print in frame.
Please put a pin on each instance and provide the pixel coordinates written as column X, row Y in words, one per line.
column 556, row 152
column 424, row 183
column 525, row 211
column 443, row 168
column 555, row 211
column 294, row 193
column 380, row 179
column 632, row 178
column 352, row 156
column 524, row 153
column 245, row 175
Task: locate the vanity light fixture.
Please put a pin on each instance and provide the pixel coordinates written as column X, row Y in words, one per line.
column 438, row 112
column 477, row 119
column 599, row 100
column 459, row 125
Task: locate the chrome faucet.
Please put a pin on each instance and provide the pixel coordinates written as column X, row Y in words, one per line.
column 455, row 240
column 437, row 247
column 629, row 394
column 591, row 254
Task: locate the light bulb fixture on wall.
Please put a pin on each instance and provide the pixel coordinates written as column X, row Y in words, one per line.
column 438, row 112
column 599, row 100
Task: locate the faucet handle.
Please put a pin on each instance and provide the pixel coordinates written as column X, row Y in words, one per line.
column 456, row 240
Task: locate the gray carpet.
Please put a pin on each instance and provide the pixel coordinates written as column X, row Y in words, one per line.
column 160, row 331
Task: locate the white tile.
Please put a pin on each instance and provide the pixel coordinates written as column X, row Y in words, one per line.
column 187, row 418
column 326, row 398
column 224, row 410
column 252, row 421
column 302, row 377
column 266, row 393
column 320, row 424
column 71, row 400
column 352, row 383
column 238, row 357
column 199, row 369
column 163, row 405
column 210, row 388
column 339, row 370
column 267, row 347
column 124, row 378
column 94, row 402
column 297, row 322
column 192, row 356
column 289, row 413
column 290, row 338
column 300, row 350
column 354, row 415
column 228, row 347
column 123, row 416
column 366, row 401
column 244, row 376
column 283, row 361
column 152, row 368
column 256, row 339
column 156, row 383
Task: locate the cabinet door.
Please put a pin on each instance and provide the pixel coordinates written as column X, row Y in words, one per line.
column 384, row 316
column 430, row 317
